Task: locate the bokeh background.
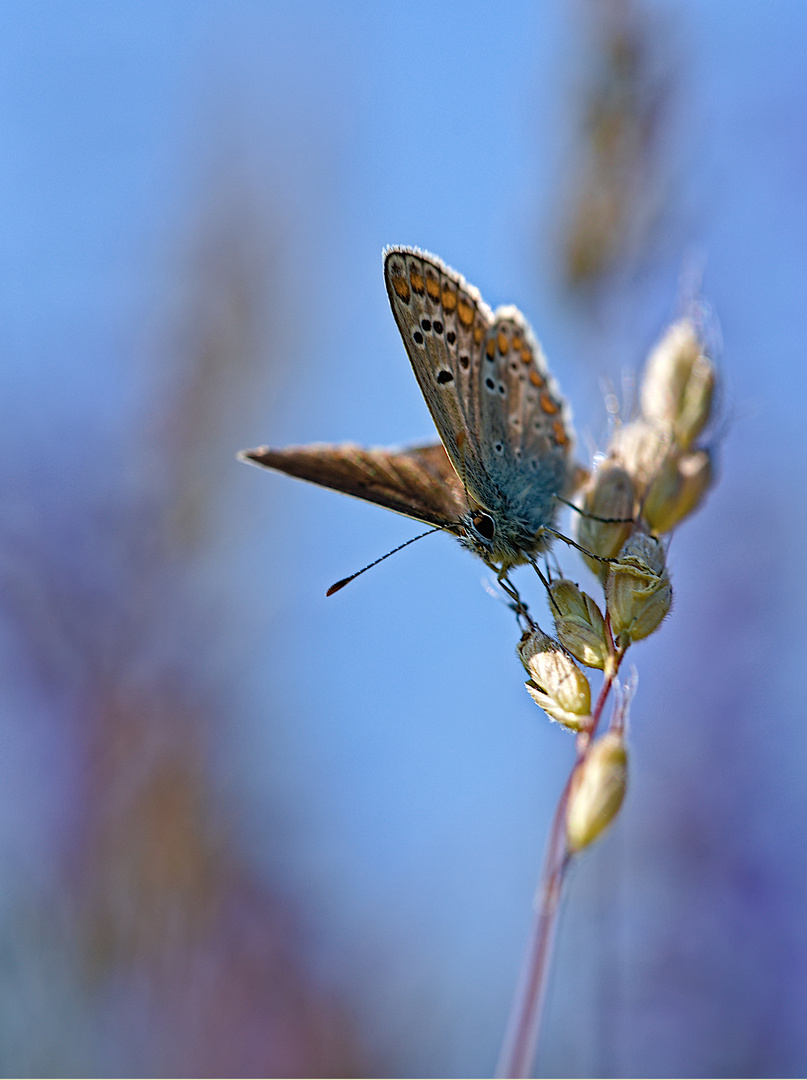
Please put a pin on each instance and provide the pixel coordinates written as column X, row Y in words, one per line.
column 246, row 830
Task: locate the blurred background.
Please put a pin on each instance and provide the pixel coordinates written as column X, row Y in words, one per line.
column 245, row 830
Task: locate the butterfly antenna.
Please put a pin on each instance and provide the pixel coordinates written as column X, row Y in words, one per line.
column 346, row 581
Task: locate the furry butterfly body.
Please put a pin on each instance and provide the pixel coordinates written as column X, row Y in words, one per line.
column 507, row 439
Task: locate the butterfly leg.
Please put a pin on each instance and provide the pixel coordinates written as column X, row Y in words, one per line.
column 518, row 604
column 546, row 584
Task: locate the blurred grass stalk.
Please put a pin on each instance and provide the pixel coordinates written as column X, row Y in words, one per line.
column 183, row 961
column 618, row 184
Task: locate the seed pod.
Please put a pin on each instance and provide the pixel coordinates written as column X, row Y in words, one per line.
column 610, row 496
column 667, row 371
column 638, row 590
column 677, row 489
column 579, row 623
column 677, row 390
column 696, row 402
column 556, row 683
column 640, row 447
column 596, row 792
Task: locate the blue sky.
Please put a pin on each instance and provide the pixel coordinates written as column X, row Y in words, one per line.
column 412, row 774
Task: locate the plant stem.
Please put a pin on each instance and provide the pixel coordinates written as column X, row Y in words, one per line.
column 524, row 1025
column 521, row 1039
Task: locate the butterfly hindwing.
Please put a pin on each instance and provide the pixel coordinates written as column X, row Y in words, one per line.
column 528, row 436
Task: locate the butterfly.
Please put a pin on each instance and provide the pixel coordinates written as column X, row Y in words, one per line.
column 506, row 450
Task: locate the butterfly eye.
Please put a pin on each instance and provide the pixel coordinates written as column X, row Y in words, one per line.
column 483, row 523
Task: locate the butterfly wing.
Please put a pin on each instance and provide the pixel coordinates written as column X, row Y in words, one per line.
column 442, row 321
column 420, row 482
column 502, row 420
column 525, row 422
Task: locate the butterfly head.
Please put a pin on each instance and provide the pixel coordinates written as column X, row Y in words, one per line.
column 500, row 538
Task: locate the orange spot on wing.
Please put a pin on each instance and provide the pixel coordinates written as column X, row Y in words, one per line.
column 561, row 437
column 465, row 313
column 433, row 288
column 503, row 343
column 401, row 287
column 417, row 280
column 535, row 378
column 490, row 348
column 479, row 333
column 518, row 344
column 547, row 404
column 449, row 300
column 526, row 355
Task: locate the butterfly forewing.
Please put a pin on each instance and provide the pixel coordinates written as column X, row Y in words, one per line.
column 502, row 420
column 442, row 321
column 419, row 482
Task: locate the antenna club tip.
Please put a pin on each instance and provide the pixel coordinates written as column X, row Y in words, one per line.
column 339, row 585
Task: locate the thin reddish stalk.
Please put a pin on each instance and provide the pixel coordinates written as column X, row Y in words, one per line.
column 524, row 1025
column 521, row 1038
